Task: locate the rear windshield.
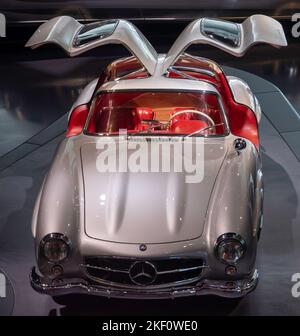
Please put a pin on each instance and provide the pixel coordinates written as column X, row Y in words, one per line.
column 157, row 113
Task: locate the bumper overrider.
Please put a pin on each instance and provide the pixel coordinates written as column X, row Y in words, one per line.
column 228, row 289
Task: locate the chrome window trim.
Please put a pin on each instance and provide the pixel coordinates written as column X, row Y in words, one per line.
column 142, row 69
column 192, row 69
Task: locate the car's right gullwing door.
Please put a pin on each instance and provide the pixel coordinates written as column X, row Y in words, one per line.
column 231, row 37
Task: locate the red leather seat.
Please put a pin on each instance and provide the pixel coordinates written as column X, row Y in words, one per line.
column 186, row 123
column 183, row 116
column 187, row 126
column 143, row 113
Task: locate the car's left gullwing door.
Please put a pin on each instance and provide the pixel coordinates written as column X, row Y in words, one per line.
column 231, row 37
column 76, row 38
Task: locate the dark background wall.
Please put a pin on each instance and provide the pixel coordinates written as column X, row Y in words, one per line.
column 161, row 21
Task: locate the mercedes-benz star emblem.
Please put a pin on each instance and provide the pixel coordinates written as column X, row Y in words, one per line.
column 143, row 247
column 142, row 273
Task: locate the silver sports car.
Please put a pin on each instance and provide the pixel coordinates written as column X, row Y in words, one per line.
column 156, row 191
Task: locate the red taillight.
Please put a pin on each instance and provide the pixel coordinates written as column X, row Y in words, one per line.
column 77, row 120
column 243, row 124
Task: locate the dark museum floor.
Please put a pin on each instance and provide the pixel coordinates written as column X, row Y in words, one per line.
column 34, row 98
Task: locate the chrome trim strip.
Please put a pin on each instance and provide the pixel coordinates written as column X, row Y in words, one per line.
column 176, row 270
column 127, row 271
column 197, row 70
column 118, row 285
column 107, row 269
column 233, row 289
column 161, row 83
column 179, row 270
column 131, row 74
column 180, row 73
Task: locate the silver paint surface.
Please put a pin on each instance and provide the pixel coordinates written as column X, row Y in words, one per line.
column 255, row 29
column 171, row 217
column 166, row 203
column 242, row 94
column 62, row 31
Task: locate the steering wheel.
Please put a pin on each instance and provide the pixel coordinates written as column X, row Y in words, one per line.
column 193, row 111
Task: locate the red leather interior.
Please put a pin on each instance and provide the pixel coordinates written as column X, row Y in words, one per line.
column 143, row 113
column 183, row 116
column 186, row 123
column 187, row 126
column 242, row 120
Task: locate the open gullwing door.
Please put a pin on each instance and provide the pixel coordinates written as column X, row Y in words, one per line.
column 231, row 37
column 76, row 38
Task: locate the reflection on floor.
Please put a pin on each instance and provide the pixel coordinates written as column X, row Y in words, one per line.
column 45, row 93
column 33, row 94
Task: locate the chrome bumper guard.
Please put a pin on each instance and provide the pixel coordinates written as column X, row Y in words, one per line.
column 228, row 289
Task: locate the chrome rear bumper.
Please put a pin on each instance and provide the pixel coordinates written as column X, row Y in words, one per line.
column 233, row 289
